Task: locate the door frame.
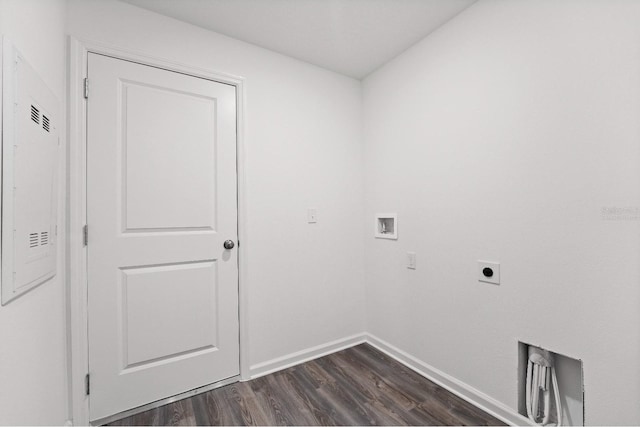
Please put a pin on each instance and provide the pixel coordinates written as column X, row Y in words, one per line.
column 76, row 252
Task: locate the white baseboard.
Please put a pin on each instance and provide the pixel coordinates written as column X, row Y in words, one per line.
column 305, row 355
column 455, row 386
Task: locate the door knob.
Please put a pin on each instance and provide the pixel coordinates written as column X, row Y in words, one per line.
column 228, row 244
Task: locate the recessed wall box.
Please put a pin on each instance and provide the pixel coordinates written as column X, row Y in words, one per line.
column 570, row 378
column 386, row 226
column 29, row 170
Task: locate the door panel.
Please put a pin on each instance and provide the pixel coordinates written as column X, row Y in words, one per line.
column 159, row 155
column 184, row 300
column 161, row 200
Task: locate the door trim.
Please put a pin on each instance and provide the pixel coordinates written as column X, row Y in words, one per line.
column 77, row 316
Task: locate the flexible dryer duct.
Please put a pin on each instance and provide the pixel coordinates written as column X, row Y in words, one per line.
column 541, row 375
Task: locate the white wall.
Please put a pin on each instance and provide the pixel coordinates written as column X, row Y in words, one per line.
column 303, row 143
column 32, row 328
column 502, row 136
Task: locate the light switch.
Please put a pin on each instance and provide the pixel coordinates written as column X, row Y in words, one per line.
column 411, row 260
column 312, row 215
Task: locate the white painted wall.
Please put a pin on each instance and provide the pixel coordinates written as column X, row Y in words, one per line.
column 303, row 143
column 33, row 382
column 501, row 136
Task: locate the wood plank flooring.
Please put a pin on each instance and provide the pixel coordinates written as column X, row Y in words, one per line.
column 357, row 386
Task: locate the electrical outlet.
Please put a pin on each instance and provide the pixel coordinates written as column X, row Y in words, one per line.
column 411, row 260
column 489, row 272
column 312, row 215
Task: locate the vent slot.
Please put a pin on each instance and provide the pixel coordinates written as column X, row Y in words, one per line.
column 45, row 123
column 35, row 114
column 33, row 240
column 44, row 238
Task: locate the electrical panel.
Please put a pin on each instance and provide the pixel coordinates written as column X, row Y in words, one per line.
column 29, row 176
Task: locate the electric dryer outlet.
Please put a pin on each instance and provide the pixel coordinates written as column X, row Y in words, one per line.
column 489, row 272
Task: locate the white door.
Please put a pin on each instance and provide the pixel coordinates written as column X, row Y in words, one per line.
column 161, row 201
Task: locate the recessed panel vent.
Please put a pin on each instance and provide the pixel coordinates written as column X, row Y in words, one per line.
column 33, row 240
column 35, row 114
column 45, row 123
column 44, row 238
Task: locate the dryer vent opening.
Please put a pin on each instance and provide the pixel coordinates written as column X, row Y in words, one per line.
column 570, row 386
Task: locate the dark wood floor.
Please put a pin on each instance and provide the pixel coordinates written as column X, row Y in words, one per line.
column 357, row 386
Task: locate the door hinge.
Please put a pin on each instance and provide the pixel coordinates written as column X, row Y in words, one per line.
column 85, row 235
column 86, row 88
column 87, row 385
